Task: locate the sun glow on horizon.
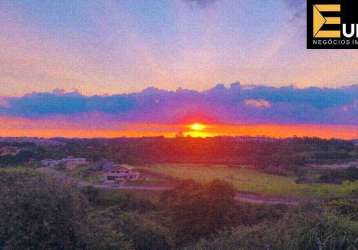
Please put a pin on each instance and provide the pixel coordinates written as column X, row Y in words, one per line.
column 57, row 127
column 197, row 126
column 197, row 130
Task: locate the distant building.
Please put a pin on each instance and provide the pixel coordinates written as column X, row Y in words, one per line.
column 50, row 163
column 102, row 165
column 121, row 173
column 68, row 162
column 72, row 163
column 8, row 150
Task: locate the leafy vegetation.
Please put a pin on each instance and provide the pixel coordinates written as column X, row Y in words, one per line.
column 339, row 176
column 37, row 212
column 198, row 211
column 302, row 229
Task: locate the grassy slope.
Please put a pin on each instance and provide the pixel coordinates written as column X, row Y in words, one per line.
column 247, row 180
column 81, row 173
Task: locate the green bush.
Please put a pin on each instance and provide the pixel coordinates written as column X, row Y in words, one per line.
column 140, row 230
column 199, row 210
column 307, row 228
column 38, row 213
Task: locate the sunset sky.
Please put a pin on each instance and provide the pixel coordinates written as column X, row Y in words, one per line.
column 65, row 65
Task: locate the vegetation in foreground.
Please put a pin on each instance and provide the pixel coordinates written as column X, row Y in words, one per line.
column 37, row 212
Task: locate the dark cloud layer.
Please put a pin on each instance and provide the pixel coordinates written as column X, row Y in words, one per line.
column 201, row 3
column 235, row 104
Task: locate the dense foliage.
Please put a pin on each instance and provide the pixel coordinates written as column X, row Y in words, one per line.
column 198, row 211
column 305, row 228
column 338, row 176
column 39, row 213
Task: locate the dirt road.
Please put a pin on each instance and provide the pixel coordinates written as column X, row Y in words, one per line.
column 259, row 199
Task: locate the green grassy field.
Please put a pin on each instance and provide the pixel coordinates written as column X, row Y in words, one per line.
column 82, row 173
column 247, row 180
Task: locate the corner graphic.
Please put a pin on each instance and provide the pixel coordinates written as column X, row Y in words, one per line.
column 319, row 20
column 332, row 24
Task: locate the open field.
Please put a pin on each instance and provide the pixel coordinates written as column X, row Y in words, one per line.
column 247, row 180
column 81, row 172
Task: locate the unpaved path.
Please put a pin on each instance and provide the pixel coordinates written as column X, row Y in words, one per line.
column 335, row 166
column 243, row 197
column 268, row 200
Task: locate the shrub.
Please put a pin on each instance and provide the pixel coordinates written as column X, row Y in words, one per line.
column 306, row 228
column 39, row 213
column 198, row 210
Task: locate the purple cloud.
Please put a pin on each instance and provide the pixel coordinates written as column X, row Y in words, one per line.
column 234, row 104
column 201, row 3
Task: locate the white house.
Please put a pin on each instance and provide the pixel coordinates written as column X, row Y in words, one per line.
column 120, row 173
column 50, row 163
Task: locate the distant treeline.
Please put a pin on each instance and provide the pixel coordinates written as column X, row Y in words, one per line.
column 253, row 152
column 227, row 150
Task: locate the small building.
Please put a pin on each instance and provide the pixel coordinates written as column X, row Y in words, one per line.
column 120, row 173
column 8, row 150
column 68, row 162
column 102, row 165
column 72, row 163
column 50, row 163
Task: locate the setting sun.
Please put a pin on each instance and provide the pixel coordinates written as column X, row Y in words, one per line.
column 197, row 130
column 197, row 126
